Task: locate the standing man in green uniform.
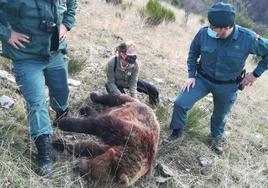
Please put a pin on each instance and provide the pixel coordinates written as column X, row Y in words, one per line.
column 223, row 48
column 33, row 33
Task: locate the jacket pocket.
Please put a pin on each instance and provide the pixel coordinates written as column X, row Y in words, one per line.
column 236, row 61
column 208, row 55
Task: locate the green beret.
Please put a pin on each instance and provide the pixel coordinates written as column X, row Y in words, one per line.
column 221, row 15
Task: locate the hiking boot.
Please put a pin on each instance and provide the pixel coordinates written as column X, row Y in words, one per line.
column 216, row 146
column 44, row 155
column 175, row 138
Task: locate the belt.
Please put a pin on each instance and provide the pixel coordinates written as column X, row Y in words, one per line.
column 213, row 80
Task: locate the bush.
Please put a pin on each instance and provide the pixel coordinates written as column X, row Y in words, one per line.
column 115, row 2
column 155, row 13
column 75, row 65
column 202, row 20
column 176, row 3
column 265, row 35
column 126, row 5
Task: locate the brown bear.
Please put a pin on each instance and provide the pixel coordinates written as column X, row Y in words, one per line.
column 130, row 134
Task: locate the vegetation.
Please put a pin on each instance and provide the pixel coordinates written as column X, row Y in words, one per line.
column 155, row 13
column 75, row 65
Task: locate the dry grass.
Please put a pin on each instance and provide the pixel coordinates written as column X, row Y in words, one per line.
column 162, row 53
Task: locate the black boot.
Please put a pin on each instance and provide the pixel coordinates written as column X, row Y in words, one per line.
column 44, row 156
column 216, row 146
column 175, row 138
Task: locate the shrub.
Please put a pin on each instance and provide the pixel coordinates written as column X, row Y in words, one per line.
column 75, row 65
column 265, row 35
column 115, row 2
column 155, row 13
column 177, row 3
column 202, row 20
column 126, row 5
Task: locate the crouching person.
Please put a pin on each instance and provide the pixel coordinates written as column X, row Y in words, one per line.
column 122, row 73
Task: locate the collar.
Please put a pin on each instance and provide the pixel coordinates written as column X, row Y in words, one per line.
column 235, row 34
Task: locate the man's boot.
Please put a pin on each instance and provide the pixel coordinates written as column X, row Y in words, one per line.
column 216, row 146
column 175, row 138
column 44, row 155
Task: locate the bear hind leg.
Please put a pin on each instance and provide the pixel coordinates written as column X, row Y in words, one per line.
column 111, row 99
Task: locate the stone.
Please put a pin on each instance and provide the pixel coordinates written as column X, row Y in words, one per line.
column 6, row 76
column 204, row 162
column 158, row 80
column 164, row 171
column 6, row 102
column 74, row 83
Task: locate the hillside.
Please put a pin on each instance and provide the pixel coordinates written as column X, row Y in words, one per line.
column 162, row 53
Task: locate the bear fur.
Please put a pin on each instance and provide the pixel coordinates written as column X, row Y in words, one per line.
column 130, row 134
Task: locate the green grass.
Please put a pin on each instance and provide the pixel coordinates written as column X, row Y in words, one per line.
column 155, row 13
column 162, row 113
column 75, row 65
column 177, row 3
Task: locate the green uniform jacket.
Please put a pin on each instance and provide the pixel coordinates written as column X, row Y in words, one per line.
column 225, row 59
column 23, row 17
column 126, row 77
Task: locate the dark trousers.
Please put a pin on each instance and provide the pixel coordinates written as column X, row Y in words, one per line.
column 143, row 87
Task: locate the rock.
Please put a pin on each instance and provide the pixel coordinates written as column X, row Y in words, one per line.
column 158, row 80
column 164, row 171
column 160, row 179
column 209, row 97
column 204, row 162
column 265, row 120
column 6, row 76
column 6, row 102
column 74, row 83
column 258, row 137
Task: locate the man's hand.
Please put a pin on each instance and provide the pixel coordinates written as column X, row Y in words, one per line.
column 190, row 83
column 16, row 40
column 63, row 32
column 248, row 80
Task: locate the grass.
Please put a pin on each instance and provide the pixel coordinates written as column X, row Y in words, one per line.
column 5, row 64
column 155, row 13
column 75, row 65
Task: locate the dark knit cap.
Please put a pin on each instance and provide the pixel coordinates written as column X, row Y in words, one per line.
column 221, row 15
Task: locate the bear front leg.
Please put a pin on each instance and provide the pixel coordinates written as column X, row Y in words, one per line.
column 85, row 149
column 111, row 99
column 106, row 127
